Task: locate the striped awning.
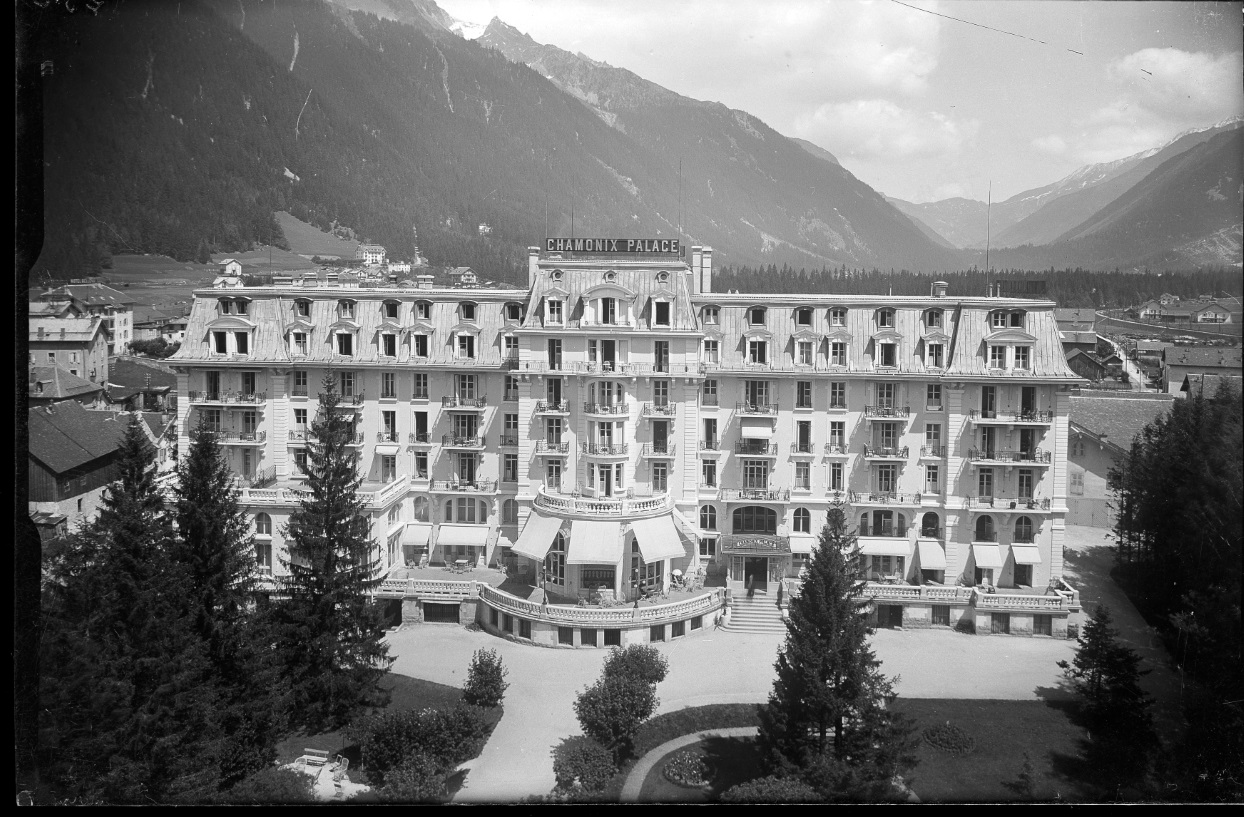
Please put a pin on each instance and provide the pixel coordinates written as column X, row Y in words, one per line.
column 459, row 535
column 987, row 556
column 657, row 539
column 756, row 428
column 932, row 557
column 801, row 543
column 537, row 536
column 417, row 534
column 593, row 542
column 885, row 546
column 1026, row 554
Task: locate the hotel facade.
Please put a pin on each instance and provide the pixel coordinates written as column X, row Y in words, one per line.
column 617, row 424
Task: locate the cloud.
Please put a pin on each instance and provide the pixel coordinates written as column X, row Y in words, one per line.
column 880, row 129
column 1053, row 145
column 1180, row 85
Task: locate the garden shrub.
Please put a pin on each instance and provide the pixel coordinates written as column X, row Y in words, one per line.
column 687, row 768
column 771, row 789
column 272, row 786
column 581, row 763
column 639, row 661
column 950, row 739
column 612, row 710
column 444, row 737
column 417, row 779
column 486, row 684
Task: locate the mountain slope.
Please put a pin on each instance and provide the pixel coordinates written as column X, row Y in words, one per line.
column 959, row 222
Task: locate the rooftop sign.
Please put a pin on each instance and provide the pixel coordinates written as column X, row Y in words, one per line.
column 620, row 246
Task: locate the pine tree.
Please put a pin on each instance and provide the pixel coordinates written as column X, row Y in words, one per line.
column 829, row 718
column 330, row 629
column 127, row 687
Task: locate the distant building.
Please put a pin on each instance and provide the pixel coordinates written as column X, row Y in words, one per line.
column 1086, row 364
column 1197, row 311
column 1076, row 320
column 72, row 457
column 1180, row 361
column 1196, row 385
column 370, row 254
column 1082, row 341
column 139, row 384
column 1100, row 432
column 149, row 322
column 463, row 277
column 114, row 306
column 55, row 384
column 175, row 330
column 398, row 267
column 230, row 268
column 485, row 230
column 78, row 344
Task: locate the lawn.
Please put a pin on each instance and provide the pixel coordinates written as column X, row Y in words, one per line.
column 1000, row 733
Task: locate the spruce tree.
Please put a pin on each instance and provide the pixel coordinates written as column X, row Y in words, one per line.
column 330, row 630
column 829, row 720
column 129, row 700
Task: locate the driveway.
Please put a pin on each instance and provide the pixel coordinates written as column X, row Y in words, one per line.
column 725, row 667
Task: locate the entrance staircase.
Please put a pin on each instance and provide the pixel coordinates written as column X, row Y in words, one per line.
column 759, row 614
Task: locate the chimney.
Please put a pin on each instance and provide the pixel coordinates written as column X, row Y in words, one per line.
column 697, row 258
column 41, row 330
column 939, row 289
column 533, row 265
column 706, row 270
column 423, row 281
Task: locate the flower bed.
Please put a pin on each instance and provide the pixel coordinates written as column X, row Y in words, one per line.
column 688, row 768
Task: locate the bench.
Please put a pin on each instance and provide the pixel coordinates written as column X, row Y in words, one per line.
column 314, row 757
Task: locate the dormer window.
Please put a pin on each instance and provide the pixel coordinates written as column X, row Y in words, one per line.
column 712, row 316
column 388, row 344
column 390, row 309
column 837, row 353
column 513, row 312
column 661, row 313
column 467, row 310
column 997, row 357
column 466, row 346
column 1017, row 320
column 887, row 354
column 419, row 346
column 608, row 311
column 345, row 310
column 226, row 306
column 220, row 342
column 756, row 316
column 838, row 317
column 934, row 355
column 240, row 306
column 345, row 343
column 423, row 310
column 933, row 318
column 803, row 353
column 803, row 317
column 242, row 341
column 554, row 313
column 298, row 344
column 1022, row 357
column 885, row 318
column 757, row 351
column 302, row 308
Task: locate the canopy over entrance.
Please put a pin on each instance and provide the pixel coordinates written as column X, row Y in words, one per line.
column 593, row 542
column 537, row 536
column 657, row 538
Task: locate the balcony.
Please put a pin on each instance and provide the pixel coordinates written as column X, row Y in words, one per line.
column 637, row 502
column 604, row 449
column 228, row 397
column 350, row 402
column 887, row 413
column 708, row 400
column 419, row 394
column 547, row 449
column 802, row 450
column 464, row 403
column 300, row 434
column 929, row 452
column 511, row 396
column 882, row 531
column 550, row 407
column 1008, row 503
column 604, row 367
column 836, row 450
column 755, row 448
column 764, row 409
column 659, row 409
column 658, row 451
column 354, row 439
column 754, row 495
column 479, row 486
column 1007, row 456
column 1010, row 418
column 243, row 437
column 510, row 363
column 607, row 409
column 509, row 440
column 298, row 391
column 884, row 498
column 883, row 453
column 419, row 438
column 260, row 479
column 475, row 442
column 388, row 437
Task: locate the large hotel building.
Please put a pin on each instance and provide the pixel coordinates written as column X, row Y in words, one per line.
column 617, row 424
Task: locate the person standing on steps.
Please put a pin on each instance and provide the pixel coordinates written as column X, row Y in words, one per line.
column 751, row 587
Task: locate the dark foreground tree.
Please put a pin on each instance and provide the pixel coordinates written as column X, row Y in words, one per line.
column 130, row 702
column 330, row 630
column 829, row 719
column 215, row 546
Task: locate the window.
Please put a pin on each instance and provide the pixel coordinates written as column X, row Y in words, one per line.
column 933, row 318
column 511, row 387
column 1042, row 624
column 302, row 309
column 712, row 352
column 466, row 346
column 756, row 316
column 555, row 312
column 838, row 433
column 888, row 354
column 388, row 384
column 388, row 344
column 347, row 384
column 803, row 317
column 510, row 347
column 345, row 310
column 997, row 357
column 835, row 476
column 803, row 353
column 661, row 313
column 467, row 310
column 803, row 521
column 300, row 344
column 345, row 343
column 555, row 355
column 1077, row 448
column 803, row 476
column 754, row 519
column 219, row 342
column 1021, row 357
column 300, row 461
column 1023, row 529
column 932, row 479
column 756, row 475
column 997, row 320
column 513, row 312
column 388, row 419
column 423, row 310
column 708, row 547
column 390, row 309
column 510, row 471
column 263, row 556
column 1017, row 320
column 708, row 473
column 886, row 394
column 226, row 306
column 421, row 464
column 660, row 392
column 838, row 317
column 555, row 561
column 837, row 394
column 661, row 356
column 1025, row 483
column 388, row 467
column 509, row 512
column 465, row 384
column 708, row 517
column 803, row 394
column 838, row 353
column 933, row 434
column 984, row 483
column 660, row 476
column 419, row 345
column 933, row 397
column 708, row 396
column 211, row 419
column 887, row 477
column 885, row 318
column 420, row 388
column 935, row 357
column 756, row 351
column 263, row 524
column 711, row 316
column 300, row 421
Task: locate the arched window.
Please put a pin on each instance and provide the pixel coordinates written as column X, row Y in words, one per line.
column 509, row 512
column 803, row 520
column 930, row 526
column 1023, row 529
column 708, row 517
column 984, row 529
column 421, row 509
column 263, row 524
column 754, row 519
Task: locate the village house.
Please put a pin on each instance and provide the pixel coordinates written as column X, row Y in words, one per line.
column 1180, row 361
column 54, row 384
column 463, row 277
column 371, row 255
column 140, row 384
column 114, row 306
column 78, row 344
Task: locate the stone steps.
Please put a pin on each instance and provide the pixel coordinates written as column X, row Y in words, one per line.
column 759, row 614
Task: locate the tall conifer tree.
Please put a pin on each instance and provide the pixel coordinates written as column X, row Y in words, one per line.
column 829, row 719
column 330, row 630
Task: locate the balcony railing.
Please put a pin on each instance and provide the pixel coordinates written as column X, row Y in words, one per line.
column 298, row 391
column 984, row 536
column 550, row 407
column 604, row 449
column 757, row 408
column 708, row 399
column 887, row 411
column 350, row 400
column 802, row 448
column 879, row 453
column 637, row 500
column 660, row 409
column 419, row 394
column 509, row 440
column 883, row 498
column 606, row 408
column 755, row 449
column 243, row 436
column 837, row 404
column 931, row 533
column 259, row 479
column 247, row 397
column 889, row 531
column 1009, row 455
column 454, row 441
column 710, row 445
column 1008, row 503
column 932, row 406
column 836, row 449
column 603, row 367
column 511, row 395
column 756, row 494
column 1020, row 417
column 932, row 450
column 479, row 486
column 543, row 447
column 420, row 438
column 464, row 402
column 354, row 439
column 300, row 433
column 387, row 437
column 658, row 451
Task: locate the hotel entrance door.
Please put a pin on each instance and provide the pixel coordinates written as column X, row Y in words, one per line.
column 756, row 572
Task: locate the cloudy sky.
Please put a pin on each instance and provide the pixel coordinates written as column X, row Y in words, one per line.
column 917, row 105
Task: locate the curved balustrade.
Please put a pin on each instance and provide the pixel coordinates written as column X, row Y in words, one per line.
column 602, row 506
column 1010, row 601
column 596, row 617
